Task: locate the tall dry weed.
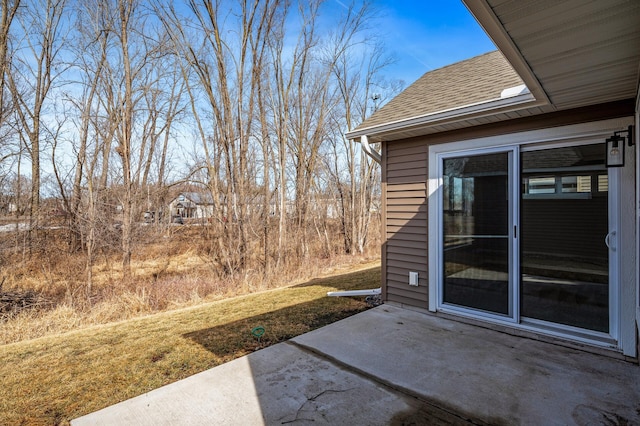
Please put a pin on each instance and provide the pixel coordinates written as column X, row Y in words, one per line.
column 170, row 270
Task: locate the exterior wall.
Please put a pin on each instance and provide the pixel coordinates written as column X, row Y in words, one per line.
column 190, row 209
column 637, row 210
column 203, row 211
column 405, row 202
column 404, row 194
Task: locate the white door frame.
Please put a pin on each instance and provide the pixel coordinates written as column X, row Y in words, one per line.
column 553, row 137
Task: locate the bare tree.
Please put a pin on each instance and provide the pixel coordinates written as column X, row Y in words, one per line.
column 90, row 45
column 253, row 94
column 286, row 98
column 358, row 60
column 7, row 15
column 129, row 77
column 123, row 29
column 7, row 152
column 163, row 104
column 34, row 70
column 318, row 97
column 227, row 67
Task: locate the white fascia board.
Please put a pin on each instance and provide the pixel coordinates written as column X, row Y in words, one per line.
column 452, row 115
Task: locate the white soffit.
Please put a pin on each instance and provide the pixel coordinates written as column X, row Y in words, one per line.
column 572, row 53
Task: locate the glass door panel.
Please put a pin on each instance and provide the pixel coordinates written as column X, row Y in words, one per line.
column 564, row 260
column 476, row 223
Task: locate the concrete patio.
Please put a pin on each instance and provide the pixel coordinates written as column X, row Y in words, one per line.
column 395, row 366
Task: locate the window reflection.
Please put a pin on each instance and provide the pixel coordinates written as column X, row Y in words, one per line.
column 564, row 220
column 476, row 228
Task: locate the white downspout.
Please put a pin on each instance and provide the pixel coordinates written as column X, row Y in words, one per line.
column 374, row 291
column 370, row 151
column 369, row 292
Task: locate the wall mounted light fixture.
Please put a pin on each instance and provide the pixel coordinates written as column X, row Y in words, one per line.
column 615, row 147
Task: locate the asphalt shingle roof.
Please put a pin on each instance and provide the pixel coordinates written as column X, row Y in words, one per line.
column 199, row 197
column 479, row 79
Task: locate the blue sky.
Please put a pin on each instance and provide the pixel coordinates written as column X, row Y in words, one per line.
column 429, row 34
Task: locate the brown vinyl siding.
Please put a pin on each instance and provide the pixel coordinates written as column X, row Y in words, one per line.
column 405, row 227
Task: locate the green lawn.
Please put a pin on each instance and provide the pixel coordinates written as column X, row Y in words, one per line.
column 54, row 379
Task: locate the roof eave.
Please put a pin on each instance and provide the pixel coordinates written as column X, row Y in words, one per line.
column 492, row 26
column 481, row 109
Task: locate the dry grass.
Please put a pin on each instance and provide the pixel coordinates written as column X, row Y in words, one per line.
column 170, row 271
column 141, row 297
column 53, row 379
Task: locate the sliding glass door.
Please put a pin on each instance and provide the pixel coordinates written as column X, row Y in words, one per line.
column 476, row 222
column 564, row 226
column 526, row 236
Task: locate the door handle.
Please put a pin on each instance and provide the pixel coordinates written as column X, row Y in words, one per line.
column 607, row 240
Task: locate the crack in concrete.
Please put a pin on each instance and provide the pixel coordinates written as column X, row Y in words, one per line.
column 463, row 417
column 313, row 399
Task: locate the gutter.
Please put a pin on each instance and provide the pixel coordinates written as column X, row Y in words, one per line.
column 375, row 155
column 454, row 114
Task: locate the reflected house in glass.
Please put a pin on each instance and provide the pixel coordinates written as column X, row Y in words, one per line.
column 496, row 186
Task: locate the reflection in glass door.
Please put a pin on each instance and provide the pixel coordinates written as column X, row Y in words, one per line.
column 476, row 223
column 564, row 224
column 528, row 234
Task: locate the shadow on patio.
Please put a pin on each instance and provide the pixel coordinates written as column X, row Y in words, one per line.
column 394, row 366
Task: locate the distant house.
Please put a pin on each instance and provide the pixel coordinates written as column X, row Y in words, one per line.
column 327, row 207
column 509, row 180
column 192, row 205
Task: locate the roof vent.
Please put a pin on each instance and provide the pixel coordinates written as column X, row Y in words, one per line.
column 514, row 91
